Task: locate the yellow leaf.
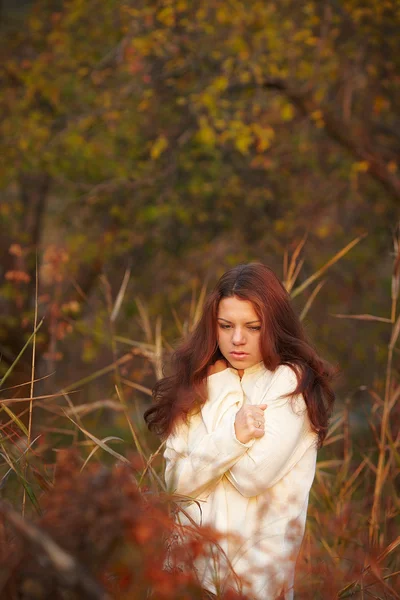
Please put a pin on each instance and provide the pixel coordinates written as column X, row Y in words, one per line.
column 380, row 104
column 287, row 112
column 181, row 5
column 244, row 140
column 158, row 147
column 312, row 41
column 220, row 83
column 166, row 16
column 317, row 115
column 222, row 15
column 323, row 231
column 360, row 167
column 264, row 136
column 206, row 134
column 245, row 76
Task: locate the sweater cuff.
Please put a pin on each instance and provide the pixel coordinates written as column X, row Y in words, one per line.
column 226, row 442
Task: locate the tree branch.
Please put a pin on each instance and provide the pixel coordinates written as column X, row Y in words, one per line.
column 66, row 568
column 337, row 129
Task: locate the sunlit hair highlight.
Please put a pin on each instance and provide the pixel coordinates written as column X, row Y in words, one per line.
column 282, row 342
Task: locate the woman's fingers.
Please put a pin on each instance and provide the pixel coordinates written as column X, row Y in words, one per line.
column 259, row 414
column 259, row 420
column 259, row 424
column 250, row 422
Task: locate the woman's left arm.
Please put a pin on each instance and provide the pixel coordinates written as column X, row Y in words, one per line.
column 287, row 436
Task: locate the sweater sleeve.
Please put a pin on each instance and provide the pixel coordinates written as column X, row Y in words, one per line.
column 287, row 436
column 191, row 473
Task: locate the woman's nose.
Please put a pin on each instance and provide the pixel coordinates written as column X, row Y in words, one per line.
column 238, row 337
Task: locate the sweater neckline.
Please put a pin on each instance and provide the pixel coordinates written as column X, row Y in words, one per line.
column 258, row 367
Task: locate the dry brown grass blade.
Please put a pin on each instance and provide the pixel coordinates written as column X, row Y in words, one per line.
column 329, row 463
column 18, row 385
column 311, row 299
column 353, row 477
column 285, row 265
column 389, row 549
column 135, row 437
column 3, row 428
column 158, row 348
column 291, row 272
column 291, row 283
column 381, row 467
column 72, row 409
column 333, row 439
column 85, row 409
column 120, row 296
column 143, row 345
column 167, row 345
column 369, row 463
column 15, row 419
column 199, row 305
column 378, row 401
column 326, row 266
column 327, row 495
column 13, row 365
column 12, row 462
column 9, row 401
column 395, row 334
column 395, row 278
column 394, row 397
column 149, row 467
column 334, row 426
column 97, row 441
column 178, row 322
column 137, row 386
column 192, row 307
column 35, row 320
column 94, row 450
column 364, row 317
column 144, row 320
column 352, row 585
column 120, row 361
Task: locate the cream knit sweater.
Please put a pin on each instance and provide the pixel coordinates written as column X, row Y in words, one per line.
column 256, row 494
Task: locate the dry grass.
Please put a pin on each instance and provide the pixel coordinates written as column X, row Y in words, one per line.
column 96, row 518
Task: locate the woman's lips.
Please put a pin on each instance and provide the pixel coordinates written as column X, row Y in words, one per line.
column 239, row 355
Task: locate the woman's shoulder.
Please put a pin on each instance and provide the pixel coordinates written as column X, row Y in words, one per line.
column 285, row 376
column 280, row 388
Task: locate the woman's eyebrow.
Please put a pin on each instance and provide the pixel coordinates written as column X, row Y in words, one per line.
column 248, row 322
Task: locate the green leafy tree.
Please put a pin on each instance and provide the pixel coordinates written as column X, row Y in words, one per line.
column 158, row 133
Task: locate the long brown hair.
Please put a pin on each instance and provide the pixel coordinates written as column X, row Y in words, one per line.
column 282, row 342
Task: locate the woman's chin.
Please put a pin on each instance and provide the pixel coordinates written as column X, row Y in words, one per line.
column 241, row 362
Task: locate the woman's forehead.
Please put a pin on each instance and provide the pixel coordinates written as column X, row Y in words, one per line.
column 235, row 309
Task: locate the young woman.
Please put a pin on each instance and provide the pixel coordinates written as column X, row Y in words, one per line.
column 243, row 413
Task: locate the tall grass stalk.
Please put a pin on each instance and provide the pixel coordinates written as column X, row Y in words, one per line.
column 359, row 560
column 381, row 472
column 32, row 374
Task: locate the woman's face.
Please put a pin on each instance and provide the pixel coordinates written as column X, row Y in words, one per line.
column 239, row 332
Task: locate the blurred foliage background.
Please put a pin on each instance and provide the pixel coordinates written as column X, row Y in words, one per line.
column 147, row 146
column 180, row 138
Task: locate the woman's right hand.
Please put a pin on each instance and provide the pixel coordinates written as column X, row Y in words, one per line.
column 249, row 422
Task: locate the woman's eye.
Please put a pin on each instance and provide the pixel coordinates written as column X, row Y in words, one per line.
column 229, row 327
